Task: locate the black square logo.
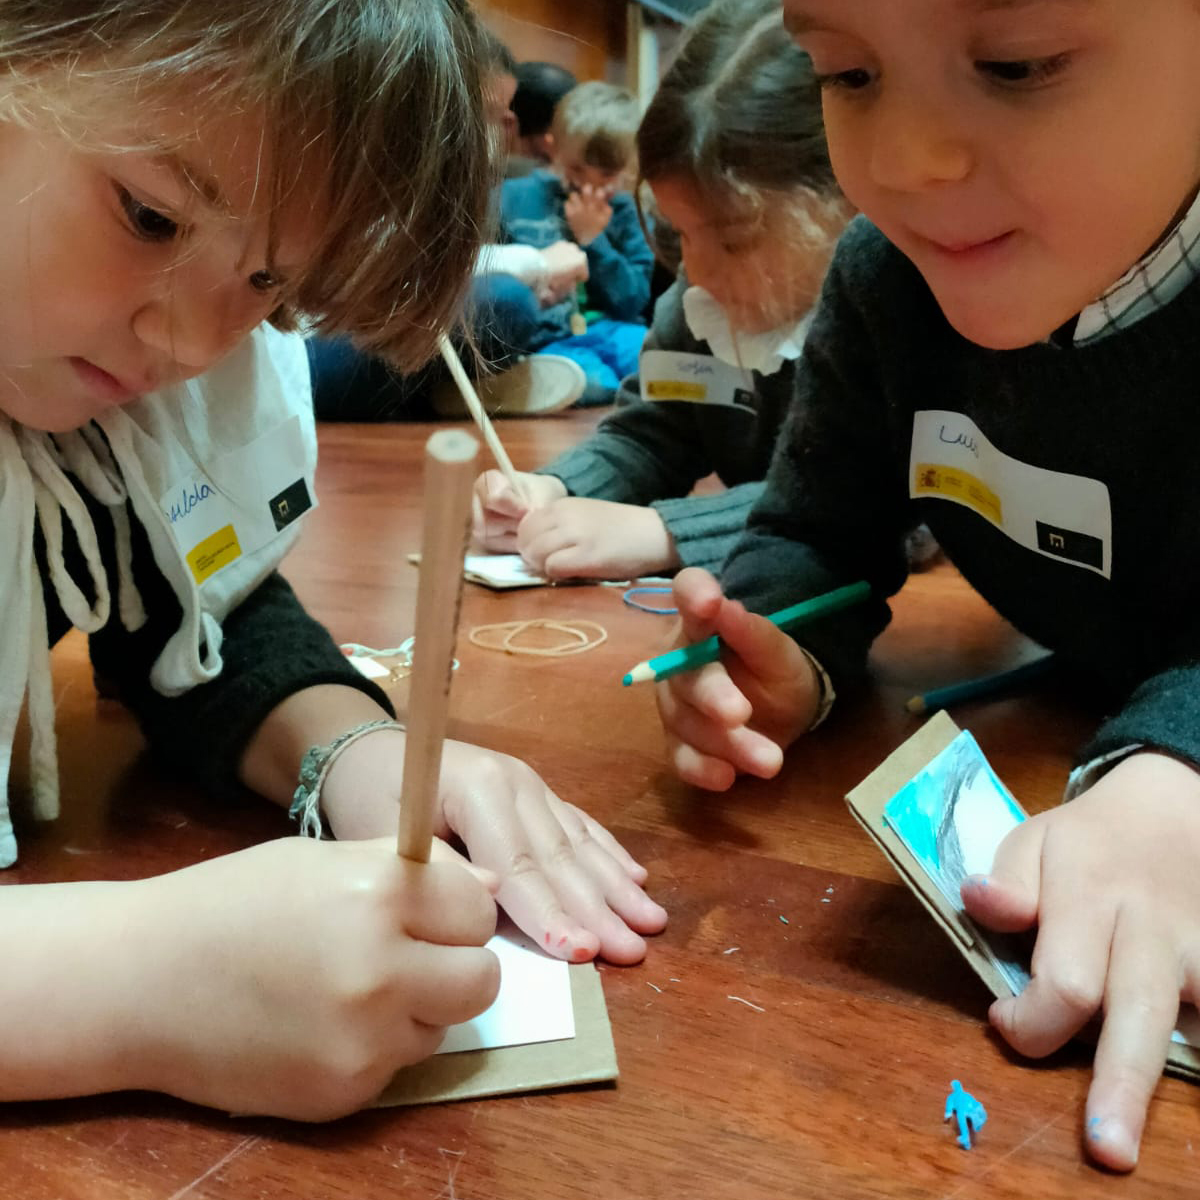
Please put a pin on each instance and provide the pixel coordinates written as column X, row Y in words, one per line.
column 291, row 503
column 745, row 399
column 1068, row 544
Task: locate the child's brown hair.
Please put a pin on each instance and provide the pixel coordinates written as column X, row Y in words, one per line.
column 738, row 115
column 602, row 121
column 387, row 96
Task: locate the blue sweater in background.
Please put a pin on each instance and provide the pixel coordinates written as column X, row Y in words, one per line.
column 619, row 261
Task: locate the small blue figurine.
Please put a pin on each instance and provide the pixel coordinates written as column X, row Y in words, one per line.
column 970, row 1114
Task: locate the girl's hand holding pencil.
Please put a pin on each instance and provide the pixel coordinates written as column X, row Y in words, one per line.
column 737, row 715
column 497, row 510
column 291, row 979
column 568, row 537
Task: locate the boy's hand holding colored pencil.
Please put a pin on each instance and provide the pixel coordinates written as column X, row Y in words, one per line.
column 737, row 715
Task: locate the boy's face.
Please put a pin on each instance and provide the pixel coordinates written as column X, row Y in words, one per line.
column 119, row 278
column 566, row 160
column 1023, row 153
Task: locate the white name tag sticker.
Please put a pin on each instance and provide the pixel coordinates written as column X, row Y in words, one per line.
column 1067, row 517
column 694, row 378
column 241, row 501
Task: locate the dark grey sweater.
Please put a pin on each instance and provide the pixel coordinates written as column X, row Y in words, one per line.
column 653, row 454
column 1122, row 411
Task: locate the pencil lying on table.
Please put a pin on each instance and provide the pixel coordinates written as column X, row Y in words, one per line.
column 688, row 658
column 451, row 463
column 979, row 688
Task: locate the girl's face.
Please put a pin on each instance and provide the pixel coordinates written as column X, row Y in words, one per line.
column 1023, row 153
column 120, row 276
column 765, row 270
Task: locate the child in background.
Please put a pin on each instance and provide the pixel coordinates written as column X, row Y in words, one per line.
column 540, row 86
column 176, row 181
column 734, row 150
column 511, row 284
column 1018, row 310
column 578, row 199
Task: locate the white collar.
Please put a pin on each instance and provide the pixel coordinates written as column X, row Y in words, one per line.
column 761, row 352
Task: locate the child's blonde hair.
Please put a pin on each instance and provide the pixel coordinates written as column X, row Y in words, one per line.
column 602, row 121
column 387, row 94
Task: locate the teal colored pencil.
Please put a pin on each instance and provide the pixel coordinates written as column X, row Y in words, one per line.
column 980, row 688
column 688, row 658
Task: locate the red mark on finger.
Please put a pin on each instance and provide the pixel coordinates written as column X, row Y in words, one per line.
column 562, row 941
column 580, row 955
column 547, row 938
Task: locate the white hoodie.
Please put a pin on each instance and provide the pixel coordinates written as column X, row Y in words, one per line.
column 215, row 470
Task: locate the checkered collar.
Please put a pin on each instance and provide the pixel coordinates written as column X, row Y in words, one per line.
column 1148, row 285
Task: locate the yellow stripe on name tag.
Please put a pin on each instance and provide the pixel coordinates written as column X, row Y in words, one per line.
column 216, row 551
column 954, row 484
column 675, row 389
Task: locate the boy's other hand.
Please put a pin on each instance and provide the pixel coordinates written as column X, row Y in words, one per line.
column 496, row 510
column 579, row 538
column 566, row 267
column 1110, row 880
column 588, row 213
column 739, row 714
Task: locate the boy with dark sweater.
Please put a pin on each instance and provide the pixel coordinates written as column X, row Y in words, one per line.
column 601, row 325
column 1007, row 353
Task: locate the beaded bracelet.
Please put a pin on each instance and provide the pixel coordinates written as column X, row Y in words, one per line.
column 306, row 803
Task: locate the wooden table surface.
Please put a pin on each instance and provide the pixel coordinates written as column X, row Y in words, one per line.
column 832, row 1086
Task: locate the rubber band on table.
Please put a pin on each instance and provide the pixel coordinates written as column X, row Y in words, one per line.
column 628, row 597
column 396, row 671
column 584, row 635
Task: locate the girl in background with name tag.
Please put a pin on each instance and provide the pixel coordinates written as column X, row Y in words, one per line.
column 176, row 181
column 734, row 150
column 1006, row 349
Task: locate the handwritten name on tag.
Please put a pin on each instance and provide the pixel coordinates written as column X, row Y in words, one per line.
column 668, row 375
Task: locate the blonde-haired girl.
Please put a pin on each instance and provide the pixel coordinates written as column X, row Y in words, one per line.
column 178, row 181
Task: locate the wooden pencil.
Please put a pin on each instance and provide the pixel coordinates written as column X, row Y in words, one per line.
column 479, row 414
column 451, row 464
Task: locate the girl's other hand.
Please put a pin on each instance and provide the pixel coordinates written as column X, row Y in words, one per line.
column 578, row 538
column 496, row 510
column 1110, row 880
column 737, row 715
column 562, row 877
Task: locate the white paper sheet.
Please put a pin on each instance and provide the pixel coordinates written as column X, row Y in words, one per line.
column 534, row 1004
column 500, row 571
